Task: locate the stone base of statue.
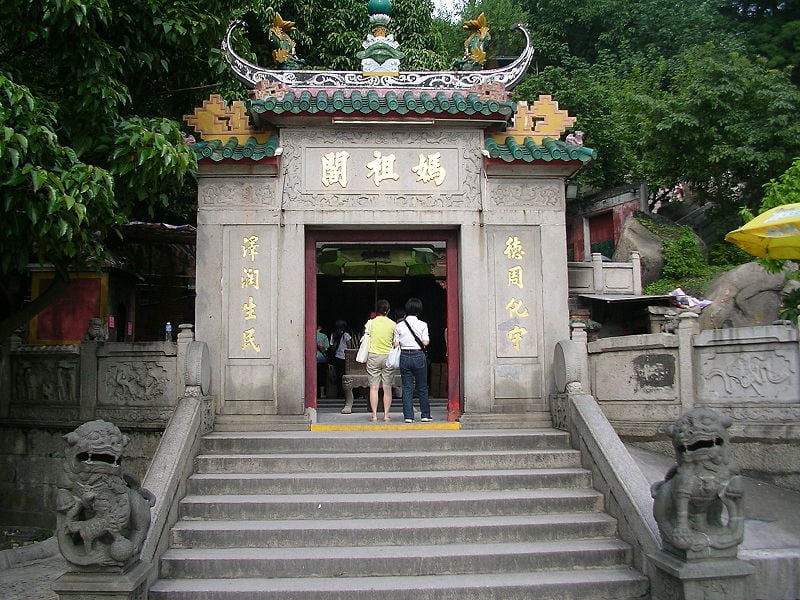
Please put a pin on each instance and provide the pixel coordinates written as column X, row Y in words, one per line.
column 131, row 585
column 712, row 579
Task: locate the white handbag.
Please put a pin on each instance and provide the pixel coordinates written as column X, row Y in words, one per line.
column 393, row 360
column 363, row 349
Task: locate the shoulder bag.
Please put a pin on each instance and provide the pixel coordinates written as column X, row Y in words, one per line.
column 363, row 349
column 416, row 337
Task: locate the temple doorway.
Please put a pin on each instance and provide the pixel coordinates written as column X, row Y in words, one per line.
column 347, row 271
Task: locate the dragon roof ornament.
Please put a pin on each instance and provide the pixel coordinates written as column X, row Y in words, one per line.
column 251, row 75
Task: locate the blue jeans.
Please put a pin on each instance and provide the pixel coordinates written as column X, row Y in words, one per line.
column 414, row 368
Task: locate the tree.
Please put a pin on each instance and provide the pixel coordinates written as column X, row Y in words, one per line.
column 84, row 91
column 782, row 190
column 91, row 98
column 626, row 33
column 724, row 123
column 773, row 28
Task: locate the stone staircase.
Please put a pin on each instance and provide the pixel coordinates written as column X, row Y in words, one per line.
column 394, row 514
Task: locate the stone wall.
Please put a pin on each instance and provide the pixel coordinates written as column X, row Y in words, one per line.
column 751, row 373
column 47, row 391
column 31, row 461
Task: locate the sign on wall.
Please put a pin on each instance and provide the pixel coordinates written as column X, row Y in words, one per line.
column 248, row 291
column 515, row 290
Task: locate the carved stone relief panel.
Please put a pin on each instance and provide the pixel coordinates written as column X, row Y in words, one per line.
column 754, row 374
column 139, row 415
column 45, row 380
column 252, row 193
column 135, row 383
column 524, row 193
column 383, row 170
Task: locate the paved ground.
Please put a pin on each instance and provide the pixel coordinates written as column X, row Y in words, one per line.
column 772, row 529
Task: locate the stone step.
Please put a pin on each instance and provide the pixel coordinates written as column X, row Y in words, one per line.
column 259, row 422
column 356, row 482
column 385, row 461
column 394, row 515
column 389, row 531
column 618, row 583
column 371, row 441
column 510, row 420
column 395, row 505
column 369, row 561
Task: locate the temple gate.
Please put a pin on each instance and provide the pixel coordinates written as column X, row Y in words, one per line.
column 442, row 162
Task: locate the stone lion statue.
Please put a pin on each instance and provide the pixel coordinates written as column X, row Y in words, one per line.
column 102, row 513
column 699, row 504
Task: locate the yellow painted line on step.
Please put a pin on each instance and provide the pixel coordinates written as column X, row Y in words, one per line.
column 381, row 427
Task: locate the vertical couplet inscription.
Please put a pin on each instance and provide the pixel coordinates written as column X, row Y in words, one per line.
column 516, row 329
column 247, row 293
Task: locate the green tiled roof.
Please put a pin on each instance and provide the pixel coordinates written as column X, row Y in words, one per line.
column 530, row 151
column 406, row 103
column 216, row 150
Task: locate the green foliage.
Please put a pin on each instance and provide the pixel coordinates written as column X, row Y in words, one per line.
column 684, row 264
column 329, row 34
column 682, row 256
column 412, row 25
column 790, row 305
column 91, row 94
column 777, row 192
column 784, row 189
column 724, row 125
column 54, row 205
column 619, row 31
column 596, row 96
column 724, row 254
column 696, row 286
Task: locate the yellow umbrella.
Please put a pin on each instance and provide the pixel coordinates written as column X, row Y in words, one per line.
column 773, row 234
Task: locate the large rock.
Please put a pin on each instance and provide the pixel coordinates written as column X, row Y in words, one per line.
column 745, row 296
column 636, row 237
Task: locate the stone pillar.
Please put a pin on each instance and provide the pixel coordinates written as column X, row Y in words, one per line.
column 636, row 261
column 687, row 327
column 598, row 278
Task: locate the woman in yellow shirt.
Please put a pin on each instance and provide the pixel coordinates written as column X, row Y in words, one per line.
column 381, row 335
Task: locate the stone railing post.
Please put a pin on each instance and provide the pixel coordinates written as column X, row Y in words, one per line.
column 598, row 278
column 13, row 342
column 636, row 262
column 185, row 337
column 581, row 339
column 88, row 379
column 687, row 327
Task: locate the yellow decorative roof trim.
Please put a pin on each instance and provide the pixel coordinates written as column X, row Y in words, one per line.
column 537, row 122
column 216, row 121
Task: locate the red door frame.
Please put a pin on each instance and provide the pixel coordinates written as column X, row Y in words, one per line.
column 450, row 238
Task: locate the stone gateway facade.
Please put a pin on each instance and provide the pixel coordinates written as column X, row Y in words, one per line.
column 364, row 168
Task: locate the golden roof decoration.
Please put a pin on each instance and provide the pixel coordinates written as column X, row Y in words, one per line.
column 216, row 121
column 541, row 120
column 480, row 26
